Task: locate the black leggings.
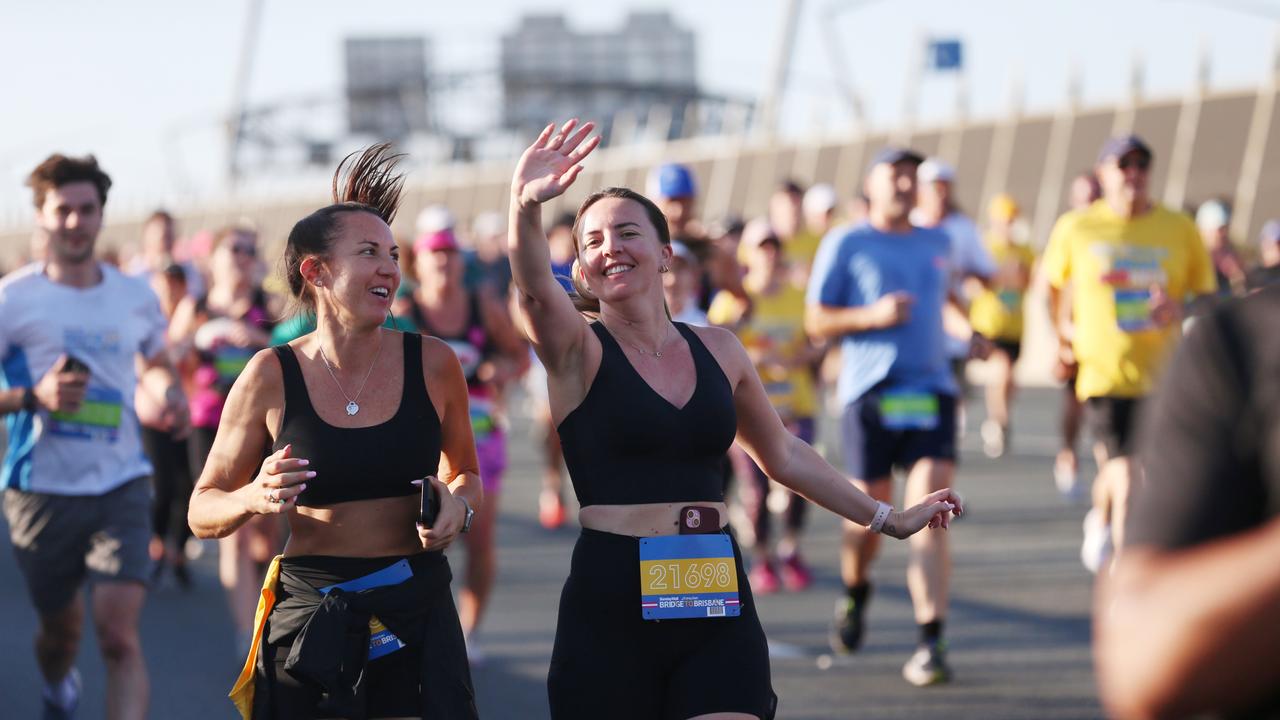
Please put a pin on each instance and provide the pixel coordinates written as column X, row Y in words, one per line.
column 171, row 483
column 609, row 662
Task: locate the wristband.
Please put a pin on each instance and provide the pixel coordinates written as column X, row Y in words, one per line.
column 29, row 399
column 882, row 514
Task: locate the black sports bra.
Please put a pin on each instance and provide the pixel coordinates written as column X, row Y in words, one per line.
column 362, row 463
column 626, row 445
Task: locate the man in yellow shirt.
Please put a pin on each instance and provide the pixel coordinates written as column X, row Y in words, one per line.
column 1132, row 264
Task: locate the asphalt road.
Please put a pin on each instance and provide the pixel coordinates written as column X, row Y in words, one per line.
column 1019, row 625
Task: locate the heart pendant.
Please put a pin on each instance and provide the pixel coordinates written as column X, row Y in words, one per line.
column 352, row 408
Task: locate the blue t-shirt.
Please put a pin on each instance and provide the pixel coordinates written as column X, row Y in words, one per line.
column 858, row 265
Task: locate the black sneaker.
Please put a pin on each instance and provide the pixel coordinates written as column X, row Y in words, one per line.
column 928, row 666
column 846, row 631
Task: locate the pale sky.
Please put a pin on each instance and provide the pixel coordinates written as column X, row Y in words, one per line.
column 145, row 84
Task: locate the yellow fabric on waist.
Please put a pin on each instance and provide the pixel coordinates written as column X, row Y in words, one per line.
column 242, row 692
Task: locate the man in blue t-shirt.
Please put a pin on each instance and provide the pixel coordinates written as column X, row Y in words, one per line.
column 76, row 489
column 880, row 287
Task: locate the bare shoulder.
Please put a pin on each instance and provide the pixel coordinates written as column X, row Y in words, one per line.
column 437, row 356
column 725, row 348
column 263, row 376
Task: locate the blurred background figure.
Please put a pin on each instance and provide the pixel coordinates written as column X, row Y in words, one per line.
column 1214, row 220
column 1268, row 270
column 996, row 313
column 680, row 284
column 215, row 335
column 1083, row 192
column 1186, row 623
column 774, row 337
column 158, row 243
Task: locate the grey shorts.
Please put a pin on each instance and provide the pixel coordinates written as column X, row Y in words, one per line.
column 59, row 539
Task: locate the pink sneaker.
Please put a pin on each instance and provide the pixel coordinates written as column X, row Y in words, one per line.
column 763, row 579
column 796, row 576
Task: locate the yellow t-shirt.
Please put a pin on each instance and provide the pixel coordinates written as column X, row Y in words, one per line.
column 803, row 248
column 997, row 311
column 776, row 325
column 1111, row 264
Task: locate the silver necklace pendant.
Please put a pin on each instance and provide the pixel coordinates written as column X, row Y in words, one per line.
column 658, row 354
column 352, row 407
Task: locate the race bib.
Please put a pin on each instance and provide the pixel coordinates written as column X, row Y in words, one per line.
column 97, row 419
column 1133, row 309
column 908, row 410
column 483, row 422
column 688, row 576
column 381, row 640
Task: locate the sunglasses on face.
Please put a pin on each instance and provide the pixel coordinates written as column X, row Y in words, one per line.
column 245, row 250
column 1137, row 162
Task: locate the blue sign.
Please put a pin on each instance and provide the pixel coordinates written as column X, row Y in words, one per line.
column 944, row 55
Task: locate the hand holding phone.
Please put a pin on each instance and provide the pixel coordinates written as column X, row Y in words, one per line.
column 428, row 503
column 62, row 389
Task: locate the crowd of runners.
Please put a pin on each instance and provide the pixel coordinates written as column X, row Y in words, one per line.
column 338, row 425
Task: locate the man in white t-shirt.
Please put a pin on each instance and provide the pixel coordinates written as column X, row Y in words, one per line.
column 77, row 492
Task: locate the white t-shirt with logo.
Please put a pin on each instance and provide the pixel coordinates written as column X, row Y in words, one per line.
column 98, row 448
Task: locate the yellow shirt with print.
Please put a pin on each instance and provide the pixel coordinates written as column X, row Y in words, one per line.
column 1111, row 263
column 997, row 312
column 776, row 326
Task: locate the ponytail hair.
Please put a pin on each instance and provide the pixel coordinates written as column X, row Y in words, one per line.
column 365, row 181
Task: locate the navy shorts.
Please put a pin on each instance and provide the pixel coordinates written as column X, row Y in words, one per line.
column 872, row 451
column 1113, row 421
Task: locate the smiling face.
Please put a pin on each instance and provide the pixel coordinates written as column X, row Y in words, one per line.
column 71, row 217
column 357, row 280
column 619, row 250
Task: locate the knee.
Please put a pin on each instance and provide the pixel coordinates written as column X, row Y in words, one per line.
column 118, row 642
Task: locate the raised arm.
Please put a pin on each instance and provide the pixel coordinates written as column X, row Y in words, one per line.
column 546, row 169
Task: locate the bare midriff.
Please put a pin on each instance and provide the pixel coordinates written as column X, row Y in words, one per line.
column 643, row 520
column 361, row 528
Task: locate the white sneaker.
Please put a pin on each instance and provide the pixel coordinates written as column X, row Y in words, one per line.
column 993, row 439
column 1096, row 549
column 1067, row 479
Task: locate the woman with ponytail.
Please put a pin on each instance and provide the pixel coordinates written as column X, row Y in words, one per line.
column 646, row 410
column 372, row 462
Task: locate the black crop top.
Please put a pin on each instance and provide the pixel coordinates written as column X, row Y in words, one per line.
column 362, row 463
column 626, row 445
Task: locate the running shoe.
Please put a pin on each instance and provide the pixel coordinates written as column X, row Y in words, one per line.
column 796, row 575
column 1067, row 480
column 847, row 630
column 1096, row 549
column 550, row 511
column 763, row 579
column 60, row 702
column 928, row 666
column 993, row 439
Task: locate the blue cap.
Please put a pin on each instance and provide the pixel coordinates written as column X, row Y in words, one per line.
column 1270, row 234
column 895, row 155
column 672, row 180
column 1121, row 145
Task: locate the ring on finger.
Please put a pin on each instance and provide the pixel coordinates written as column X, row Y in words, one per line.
column 272, row 497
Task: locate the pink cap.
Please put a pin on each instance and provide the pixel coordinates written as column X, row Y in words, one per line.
column 436, row 240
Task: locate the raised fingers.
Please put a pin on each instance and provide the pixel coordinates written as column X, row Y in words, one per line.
column 573, row 141
column 544, row 135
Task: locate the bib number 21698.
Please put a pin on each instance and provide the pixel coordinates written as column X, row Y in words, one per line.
column 688, row 576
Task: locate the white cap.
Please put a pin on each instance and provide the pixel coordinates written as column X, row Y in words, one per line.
column 819, row 199
column 935, row 170
column 435, row 218
column 1213, row 214
column 757, row 232
column 489, row 224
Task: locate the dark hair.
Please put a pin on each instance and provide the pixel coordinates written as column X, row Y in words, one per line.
column 58, row 170
column 369, row 184
column 159, row 215
column 583, row 300
column 565, row 220
column 790, row 187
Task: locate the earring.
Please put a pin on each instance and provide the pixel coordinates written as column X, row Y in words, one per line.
column 664, row 268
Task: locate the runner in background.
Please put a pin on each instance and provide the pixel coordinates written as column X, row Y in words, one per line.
column 159, row 240
column 971, row 264
column 996, row 313
column 774, row 337
column 474, row 323
column 1268, row 270
column 1084, row 192
column 673, row 188
column 171, row 479
column 215, row 335
column 680, row 286
column 77, row 496
column 1213, row 218
column 881, row 288
column 1133, row 266
column 819, row 210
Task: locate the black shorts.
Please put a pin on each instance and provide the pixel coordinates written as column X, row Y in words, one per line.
column 872, row 451
column 1113, row 421
column 610, row 662
column 1012, row 348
